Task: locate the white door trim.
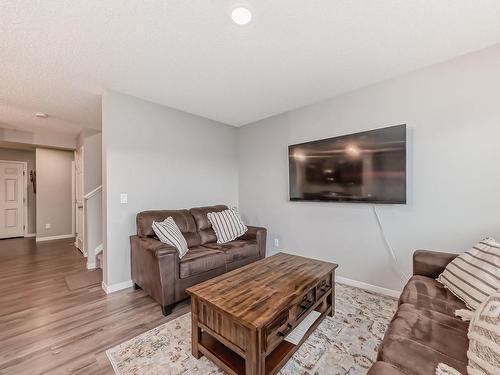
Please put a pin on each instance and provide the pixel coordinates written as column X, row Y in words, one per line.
column 25, row 192
column 79, row 221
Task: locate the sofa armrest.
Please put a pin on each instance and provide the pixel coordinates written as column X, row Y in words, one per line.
column 384, row 368
column 155, row 266
column 258, row 234
column 431, row 263
column 155, row 246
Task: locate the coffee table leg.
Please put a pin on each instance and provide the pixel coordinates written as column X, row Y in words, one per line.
column 255, row 359
column 331, row 298
column 195, row 330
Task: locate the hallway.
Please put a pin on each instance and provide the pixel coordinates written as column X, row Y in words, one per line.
column 46, row 328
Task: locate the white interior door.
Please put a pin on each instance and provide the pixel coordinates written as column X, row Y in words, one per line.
column 11, row 199
column 79, row 199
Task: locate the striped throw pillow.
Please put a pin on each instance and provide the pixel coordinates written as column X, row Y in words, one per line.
column 484, row 338
column 227, row 225
column 168, row 232
column 475, row 274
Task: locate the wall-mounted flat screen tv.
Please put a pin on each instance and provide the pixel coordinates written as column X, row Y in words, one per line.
column 367, row 167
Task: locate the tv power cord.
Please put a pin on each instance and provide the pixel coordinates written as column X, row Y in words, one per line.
column 389, row 248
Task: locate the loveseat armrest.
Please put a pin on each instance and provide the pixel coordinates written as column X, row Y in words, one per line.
column 258, row 234
column 431, row 263
column 156, row 247
column 155, row 267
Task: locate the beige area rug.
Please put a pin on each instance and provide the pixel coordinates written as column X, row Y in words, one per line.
column 344, row 344
column 83, row 279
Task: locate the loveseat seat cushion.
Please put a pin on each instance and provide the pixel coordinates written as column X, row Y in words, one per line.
column 207, row 234
column 417, row 340
column 237, row 250
column 426, row 293
column 200, row 259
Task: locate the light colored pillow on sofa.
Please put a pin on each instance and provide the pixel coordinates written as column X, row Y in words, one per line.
column 484, row 340
column 227, row 225
column 475, row 274
column 168, row 232
column 444, row 369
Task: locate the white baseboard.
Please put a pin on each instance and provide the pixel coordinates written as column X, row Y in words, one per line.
column 116, row 287
column 51, row 238
column 30, row 235
column 369, row 287
column 91, row 266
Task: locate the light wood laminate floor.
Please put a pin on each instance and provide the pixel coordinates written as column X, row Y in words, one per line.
column 47, row 329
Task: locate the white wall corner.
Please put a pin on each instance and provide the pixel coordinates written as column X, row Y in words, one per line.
column 369, row 287
column 116, row 287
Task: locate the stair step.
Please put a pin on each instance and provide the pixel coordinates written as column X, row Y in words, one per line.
column 99, row 260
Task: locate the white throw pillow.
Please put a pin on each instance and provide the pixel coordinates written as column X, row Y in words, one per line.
column 484, row 338
column 474, row 275
column 227, row 225
column 444, row 369
column 168, row 232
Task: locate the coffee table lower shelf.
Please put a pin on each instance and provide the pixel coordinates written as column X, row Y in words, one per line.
column 234, row 364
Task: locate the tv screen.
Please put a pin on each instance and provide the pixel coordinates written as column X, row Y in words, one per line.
column 363, row 167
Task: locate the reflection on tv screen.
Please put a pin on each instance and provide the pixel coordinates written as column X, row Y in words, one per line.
column 362, row 167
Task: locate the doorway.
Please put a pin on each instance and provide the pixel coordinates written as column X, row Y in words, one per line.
column 13, row 205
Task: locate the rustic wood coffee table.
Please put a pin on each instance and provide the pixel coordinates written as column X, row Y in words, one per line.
column 240, row 319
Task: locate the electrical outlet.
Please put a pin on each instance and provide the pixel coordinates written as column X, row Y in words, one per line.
column 123, row 198
column 47, row 226
column 276, row 242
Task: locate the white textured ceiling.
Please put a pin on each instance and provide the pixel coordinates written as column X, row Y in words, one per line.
column 57, row 56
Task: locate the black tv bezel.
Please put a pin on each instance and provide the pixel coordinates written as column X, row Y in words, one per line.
column 343, row 200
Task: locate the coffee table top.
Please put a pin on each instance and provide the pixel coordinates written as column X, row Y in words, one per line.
column 255, row 293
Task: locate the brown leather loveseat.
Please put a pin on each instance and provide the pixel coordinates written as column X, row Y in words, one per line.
column 424, row 331
column 157, row 269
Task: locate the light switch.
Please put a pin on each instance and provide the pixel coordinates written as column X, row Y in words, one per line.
column 123, row 198
column 47, row 226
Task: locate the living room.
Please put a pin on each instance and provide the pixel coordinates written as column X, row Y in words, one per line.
column 201, row 108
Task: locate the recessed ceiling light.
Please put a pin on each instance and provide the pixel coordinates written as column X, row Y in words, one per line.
column 241, row 16
column 41, row 115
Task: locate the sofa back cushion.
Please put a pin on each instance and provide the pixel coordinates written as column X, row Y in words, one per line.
column 203, row 225
column 183, row 219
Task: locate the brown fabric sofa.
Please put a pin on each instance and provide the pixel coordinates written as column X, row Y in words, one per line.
column 424, row 330
column 157, row 269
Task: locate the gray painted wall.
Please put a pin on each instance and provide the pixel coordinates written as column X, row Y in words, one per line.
column 29, row 157
column 54, row 192
column 92, row 162
column 163, row 159
column 453, row 115
column 91, row 140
